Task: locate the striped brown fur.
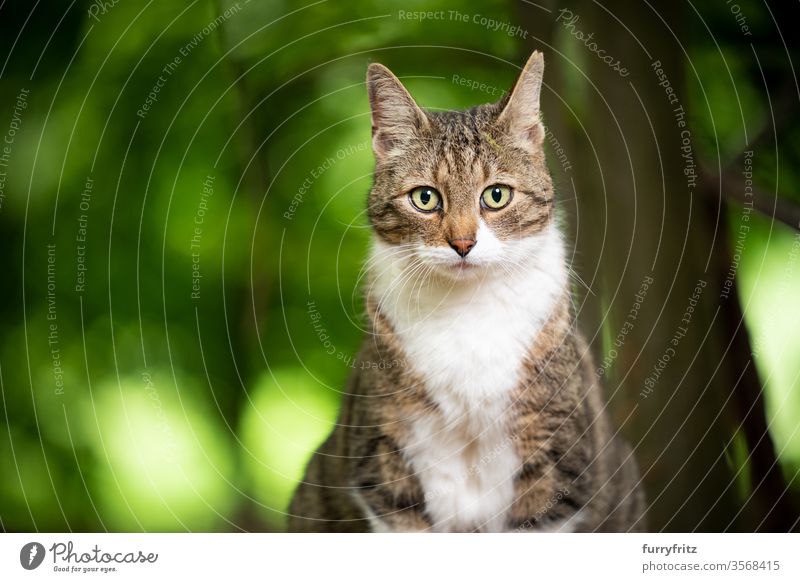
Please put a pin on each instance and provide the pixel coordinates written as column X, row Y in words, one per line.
column 571, row 465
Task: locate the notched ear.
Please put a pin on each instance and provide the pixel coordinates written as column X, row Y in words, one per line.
column 521, row 116
column 396, row 118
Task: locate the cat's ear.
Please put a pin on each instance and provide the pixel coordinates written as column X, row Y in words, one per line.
column 396, row 118
column 520, row 116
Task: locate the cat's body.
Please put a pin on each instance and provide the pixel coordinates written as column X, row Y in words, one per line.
column 475, row 406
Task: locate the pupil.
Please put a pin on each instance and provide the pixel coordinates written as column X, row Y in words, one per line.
column 425, row 197
column 497, row 195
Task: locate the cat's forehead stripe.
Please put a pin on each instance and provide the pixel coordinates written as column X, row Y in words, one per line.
column 459, row 149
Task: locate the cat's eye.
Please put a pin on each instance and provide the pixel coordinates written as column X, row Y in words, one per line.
column 425, row 199
column 496, row 197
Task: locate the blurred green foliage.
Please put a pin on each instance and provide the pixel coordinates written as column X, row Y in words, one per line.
column 199, row 413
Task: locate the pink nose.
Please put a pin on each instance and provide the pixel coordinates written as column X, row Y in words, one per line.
column 462, row 245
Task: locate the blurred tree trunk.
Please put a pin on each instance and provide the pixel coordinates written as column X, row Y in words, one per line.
column 637, row 215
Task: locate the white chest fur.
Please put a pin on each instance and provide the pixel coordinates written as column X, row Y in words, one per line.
column 467, row 341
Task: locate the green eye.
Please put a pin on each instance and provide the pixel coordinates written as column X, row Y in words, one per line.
column 425, row 199
column 496, row 197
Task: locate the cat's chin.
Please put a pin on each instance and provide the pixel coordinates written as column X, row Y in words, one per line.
column 464, row 271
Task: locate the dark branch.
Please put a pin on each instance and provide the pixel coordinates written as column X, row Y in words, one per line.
column 774, row 206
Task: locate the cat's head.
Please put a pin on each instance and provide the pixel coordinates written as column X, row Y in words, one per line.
column 459, row 192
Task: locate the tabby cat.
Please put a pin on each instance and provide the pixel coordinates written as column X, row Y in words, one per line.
column 474, row 405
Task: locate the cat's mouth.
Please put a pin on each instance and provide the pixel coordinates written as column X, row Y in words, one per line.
column 444, row 263
column 462, row 267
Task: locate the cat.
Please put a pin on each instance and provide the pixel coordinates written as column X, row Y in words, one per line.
column 474, row 406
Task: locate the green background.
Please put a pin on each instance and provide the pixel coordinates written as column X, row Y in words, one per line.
column 198, row 413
